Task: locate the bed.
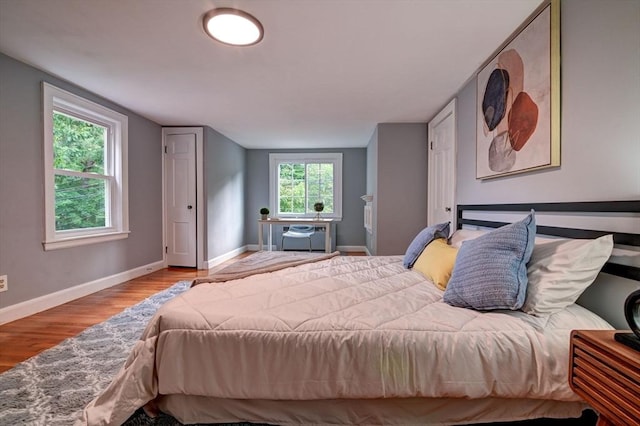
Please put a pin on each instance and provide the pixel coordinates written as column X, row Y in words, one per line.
column 366, row 340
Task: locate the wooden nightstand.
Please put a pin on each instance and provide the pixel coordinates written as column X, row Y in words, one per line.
column 606, row 374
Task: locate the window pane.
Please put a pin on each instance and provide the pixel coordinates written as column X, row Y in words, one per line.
column 286, row 205
column 80, row 202
column 298, row 188
column 320, row 186
column 326, row 192
column 313, row 186
column 302, row 184
column 326, row 173
column 286, row 171
column 291, row 188
column 78, row 145
column 285, row 188
column 298, row 171
column 298, row 205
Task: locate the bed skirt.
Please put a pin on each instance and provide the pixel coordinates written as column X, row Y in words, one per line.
column 405, row 411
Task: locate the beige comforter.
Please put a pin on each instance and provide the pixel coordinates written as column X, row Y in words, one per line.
column 347, row 327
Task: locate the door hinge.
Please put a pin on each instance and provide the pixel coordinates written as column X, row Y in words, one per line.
column 165, row 149
column 431, row 145
column 166, row 249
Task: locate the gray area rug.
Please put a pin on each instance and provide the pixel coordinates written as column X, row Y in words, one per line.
column 54, row 386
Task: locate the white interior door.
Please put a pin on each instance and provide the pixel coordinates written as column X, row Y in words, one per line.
column 442, row 166
column 180, row 200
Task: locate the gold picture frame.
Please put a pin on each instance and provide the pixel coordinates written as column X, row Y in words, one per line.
column 518, row 103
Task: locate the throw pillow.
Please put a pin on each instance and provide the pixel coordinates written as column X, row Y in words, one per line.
column 436, row 262
column 462, row 235
column 491, row 270
column 421, row 240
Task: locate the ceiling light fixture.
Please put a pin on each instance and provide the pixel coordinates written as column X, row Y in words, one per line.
column 233, row 27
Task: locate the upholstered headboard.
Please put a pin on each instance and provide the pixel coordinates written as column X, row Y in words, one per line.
column 620, row 275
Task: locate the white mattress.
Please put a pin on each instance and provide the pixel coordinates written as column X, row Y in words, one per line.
column 348, row 327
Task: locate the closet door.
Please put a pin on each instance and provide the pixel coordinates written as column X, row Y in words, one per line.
column 442, row 166
column 180, row 200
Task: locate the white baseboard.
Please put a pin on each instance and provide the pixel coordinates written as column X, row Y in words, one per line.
column 350, row 249
column 224, row 257
column 48, row 301
column 254, row 247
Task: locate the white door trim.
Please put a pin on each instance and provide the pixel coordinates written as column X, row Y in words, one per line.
column 200, row 196
column 447, row 111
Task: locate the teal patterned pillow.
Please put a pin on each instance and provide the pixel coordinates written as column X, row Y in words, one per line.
column 421, row 240
column 491, row 271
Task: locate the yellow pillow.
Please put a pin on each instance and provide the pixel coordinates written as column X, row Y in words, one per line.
column 436, row 262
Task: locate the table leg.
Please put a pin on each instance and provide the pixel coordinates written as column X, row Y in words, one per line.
column 270, row 239
column 259, row 236
column 327, row 238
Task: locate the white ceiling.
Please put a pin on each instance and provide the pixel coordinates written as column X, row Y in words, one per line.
column 325, row 73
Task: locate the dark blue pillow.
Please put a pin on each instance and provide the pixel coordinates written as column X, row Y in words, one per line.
column 491, row 271
column 421, row 240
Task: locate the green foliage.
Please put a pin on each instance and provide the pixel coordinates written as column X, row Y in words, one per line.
column 302, row 185
column 79, row 146
column 80, row 203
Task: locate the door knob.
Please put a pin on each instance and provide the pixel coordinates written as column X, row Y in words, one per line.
column 189, row 207
column 447, row 209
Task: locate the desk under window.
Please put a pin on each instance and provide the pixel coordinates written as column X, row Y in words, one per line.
column 326, row 223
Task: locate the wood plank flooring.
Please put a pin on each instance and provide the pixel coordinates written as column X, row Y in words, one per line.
column 26, row 337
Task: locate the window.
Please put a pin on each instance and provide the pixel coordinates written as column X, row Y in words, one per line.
column 298, row 181
column 85, row 169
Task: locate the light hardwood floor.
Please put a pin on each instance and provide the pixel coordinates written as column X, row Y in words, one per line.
column 24, row 338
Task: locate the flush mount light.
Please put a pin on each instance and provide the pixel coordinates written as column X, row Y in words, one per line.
column 233, row 27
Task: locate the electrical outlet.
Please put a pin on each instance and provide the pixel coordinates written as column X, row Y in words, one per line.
column 4, row 283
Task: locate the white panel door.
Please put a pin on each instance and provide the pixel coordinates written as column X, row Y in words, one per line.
column 442, row 166
column 180, row 199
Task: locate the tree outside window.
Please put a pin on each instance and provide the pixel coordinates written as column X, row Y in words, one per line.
column 298, row 181
column 80, row 197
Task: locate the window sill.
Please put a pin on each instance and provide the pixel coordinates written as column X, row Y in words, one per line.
column 83, row 240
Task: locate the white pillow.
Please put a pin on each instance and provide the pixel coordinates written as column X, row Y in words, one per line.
column 462, row 235
column 560, row 270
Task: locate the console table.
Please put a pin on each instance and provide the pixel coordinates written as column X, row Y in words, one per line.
column 326, row 223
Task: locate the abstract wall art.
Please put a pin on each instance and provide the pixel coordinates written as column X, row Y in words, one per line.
column 518, row 103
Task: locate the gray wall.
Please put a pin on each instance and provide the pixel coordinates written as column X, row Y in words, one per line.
column 225, row 180
column 399, row 173
column 600, row 135
column 349, row 232
column 33, row 272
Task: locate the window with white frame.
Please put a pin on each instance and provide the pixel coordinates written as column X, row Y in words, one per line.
column 85, row 171
column 299, row 180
